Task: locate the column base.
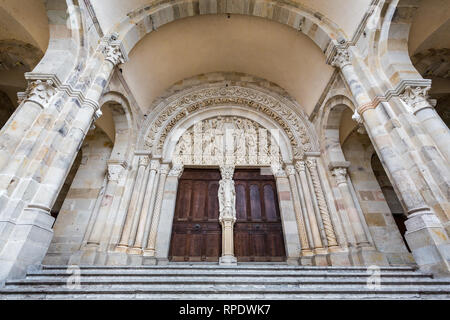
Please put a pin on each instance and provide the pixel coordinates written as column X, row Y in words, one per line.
column 149, row 261
column 429, row 243
column 27, row 243
column 320, row 260
column 228, row 260
column 340, row 259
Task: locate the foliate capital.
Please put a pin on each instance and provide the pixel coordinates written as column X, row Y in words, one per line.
column 290, row 170
column 144, row 161
column 40, row 92
column 164, row 169
column 340, row 174
column 176, row 171
column 227, row 172
column 311, row 163
column 115, row 171
column 113, row 54
column 300, row 166
column 416, row 97
column 341, row 59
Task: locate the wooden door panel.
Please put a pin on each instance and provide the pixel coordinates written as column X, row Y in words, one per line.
column 196, row 232
column 258, row 234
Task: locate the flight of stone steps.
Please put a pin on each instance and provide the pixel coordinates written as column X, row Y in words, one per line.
column 212, row 282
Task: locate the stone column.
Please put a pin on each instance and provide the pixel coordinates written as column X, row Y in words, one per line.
column 340, row 175
column 114, row 173
column 317, row 241
column 418, row 102
column 429, row 251
column 323, row 208
column 305, row 249
column 168, row 211
column 150, row 250
column 146, row 213
column 131, row 219
column 41, row 182
column 227, row 214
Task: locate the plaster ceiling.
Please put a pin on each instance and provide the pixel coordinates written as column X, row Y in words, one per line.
column 203, row 44
column 347, row 14
column 25, row 21
column 430, row 27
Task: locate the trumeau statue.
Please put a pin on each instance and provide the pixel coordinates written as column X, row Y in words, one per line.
column 227, row 194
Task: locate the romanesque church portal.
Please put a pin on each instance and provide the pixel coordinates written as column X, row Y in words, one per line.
column 224, row 134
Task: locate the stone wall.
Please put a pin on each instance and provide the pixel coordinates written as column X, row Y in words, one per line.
column 83, row 199
column 387, row 239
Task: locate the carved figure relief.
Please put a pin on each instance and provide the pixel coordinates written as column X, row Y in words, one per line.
column 227, row 140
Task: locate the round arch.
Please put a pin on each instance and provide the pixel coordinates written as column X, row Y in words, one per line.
column 235, row 111
column 269, row 105
column 144, row 20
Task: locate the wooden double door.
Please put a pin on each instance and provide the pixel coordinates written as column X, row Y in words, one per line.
column 197, row 233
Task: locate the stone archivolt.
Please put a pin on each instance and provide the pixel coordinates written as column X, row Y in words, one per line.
column 289, row 121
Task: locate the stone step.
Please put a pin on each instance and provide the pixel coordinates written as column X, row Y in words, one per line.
column 233, row 290
column 225, row 282
column 220, row 273
column 187, row 280
column 274, row 267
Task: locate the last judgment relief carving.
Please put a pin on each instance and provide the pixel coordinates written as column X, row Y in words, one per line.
column 228, row 141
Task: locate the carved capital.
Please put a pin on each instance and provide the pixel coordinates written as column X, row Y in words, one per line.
column 341, row 59
column 154, row 165
column 176, row 171
column 340, row 174
column 112, row 50
column 300, row 166
column 416, row 97
column 164, row 170
column 290, row 170
column 40, row 92
column 144, row 161
column 115, row 171
column 227, row 172
column 311, row 163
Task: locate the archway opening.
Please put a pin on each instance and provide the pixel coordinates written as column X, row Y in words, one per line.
column 390, row 196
